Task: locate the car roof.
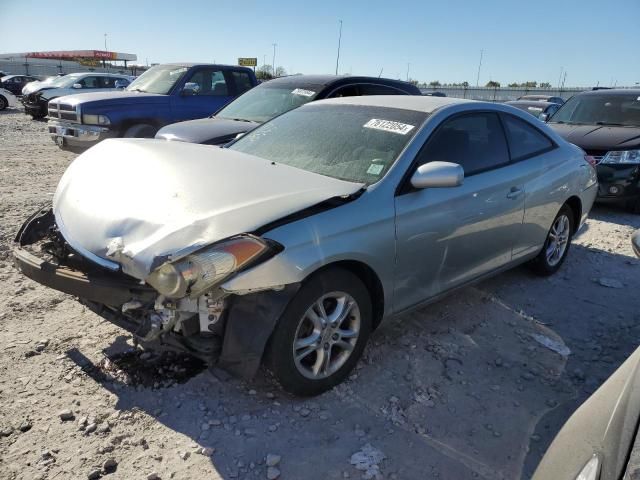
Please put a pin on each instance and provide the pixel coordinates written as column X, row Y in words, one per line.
column 530, row 103
column 331, row 80
column 612, row 91
column 403, row 102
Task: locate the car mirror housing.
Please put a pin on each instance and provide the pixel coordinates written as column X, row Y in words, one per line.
column 438, row 175
column 77, row 85
column 544, row 117
column 190, row 88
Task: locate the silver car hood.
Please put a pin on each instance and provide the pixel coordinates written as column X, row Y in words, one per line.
column 134, row 201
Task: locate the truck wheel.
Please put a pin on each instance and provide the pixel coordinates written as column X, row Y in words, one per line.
column 141, row 130
column 321, row 334
column 3, row 103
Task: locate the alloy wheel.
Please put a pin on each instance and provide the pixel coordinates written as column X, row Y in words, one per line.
column 558, row 240
column 326, row 335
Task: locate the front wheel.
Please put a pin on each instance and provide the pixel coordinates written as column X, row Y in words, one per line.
column 556, row 247
column 3, row 103
column 321, row 334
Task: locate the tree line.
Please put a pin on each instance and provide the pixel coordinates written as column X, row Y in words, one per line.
column 490, row 84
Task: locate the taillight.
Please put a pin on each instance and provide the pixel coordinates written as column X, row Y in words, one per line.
column 590, row 160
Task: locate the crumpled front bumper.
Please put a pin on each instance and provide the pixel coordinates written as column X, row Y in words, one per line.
column 107, row 288
column 245, row 326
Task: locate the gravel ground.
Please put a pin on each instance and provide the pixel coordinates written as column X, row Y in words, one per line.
column 474, row 386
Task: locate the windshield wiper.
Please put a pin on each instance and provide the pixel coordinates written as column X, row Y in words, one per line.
column 137, row 90
column 611, row 124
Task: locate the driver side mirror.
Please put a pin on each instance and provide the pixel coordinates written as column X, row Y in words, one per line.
column 438, row 175
column 121, row 84
column 76, row 85
column 544, row 117
column 190, row 88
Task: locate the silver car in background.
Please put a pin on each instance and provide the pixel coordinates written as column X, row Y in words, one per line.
column 293, row 244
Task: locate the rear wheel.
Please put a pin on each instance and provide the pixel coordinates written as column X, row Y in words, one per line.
column 321, row 334
column 141, row 130
column 3, row 103
column 556, row 246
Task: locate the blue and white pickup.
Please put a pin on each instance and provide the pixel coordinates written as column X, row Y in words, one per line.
column 162, row 95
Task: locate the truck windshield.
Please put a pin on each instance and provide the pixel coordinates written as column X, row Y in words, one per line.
column 350, row 142
column 603, row 109
column 159, row 79
column 263, row 103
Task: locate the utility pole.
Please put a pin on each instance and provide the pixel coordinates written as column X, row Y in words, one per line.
column 479, row 65
column 273, row 65
column 560, row 77
column 408, row 65
column 105, row 42
column 339, row 41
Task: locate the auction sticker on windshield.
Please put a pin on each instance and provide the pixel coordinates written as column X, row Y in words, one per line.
column 303, row 92
column 389, row 126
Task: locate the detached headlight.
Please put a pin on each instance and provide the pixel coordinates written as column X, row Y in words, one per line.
column 624, row 156
column 95, row 119
column 199, row 271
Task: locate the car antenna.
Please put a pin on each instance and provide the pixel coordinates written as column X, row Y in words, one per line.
column 380, row 74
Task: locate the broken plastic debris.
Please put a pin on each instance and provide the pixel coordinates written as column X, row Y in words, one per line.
column 115, row 246
column 557, row 346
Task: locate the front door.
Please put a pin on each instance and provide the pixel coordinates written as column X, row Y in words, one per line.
column 448, row 236
column 210, row 92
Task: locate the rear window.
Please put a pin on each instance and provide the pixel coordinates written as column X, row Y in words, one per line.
column 350, row 142
column 524, row 140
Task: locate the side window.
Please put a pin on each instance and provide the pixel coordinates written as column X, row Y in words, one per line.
column 378, row 90
column 107, row 82
column 552, row 109
column 476, row 141
column 348, row 91
column 242, row 81
column 211, row 82
column 525, row 140
column 90, row 82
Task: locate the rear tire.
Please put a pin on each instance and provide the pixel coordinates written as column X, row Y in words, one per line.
column 556, row 246
column 141, row 130
column 321, row 334
column 3, row 103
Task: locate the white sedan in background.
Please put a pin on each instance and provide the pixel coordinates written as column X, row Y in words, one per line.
column 7, row 99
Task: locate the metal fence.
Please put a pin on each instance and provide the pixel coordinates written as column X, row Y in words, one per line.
column 502, row 94
column 45, row 68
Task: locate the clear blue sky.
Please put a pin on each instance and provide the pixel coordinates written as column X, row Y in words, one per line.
column 593, row 40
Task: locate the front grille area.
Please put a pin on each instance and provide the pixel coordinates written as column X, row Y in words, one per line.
column 63, row 111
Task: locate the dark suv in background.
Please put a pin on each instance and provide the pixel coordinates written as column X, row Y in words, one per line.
column 274, row 98
column 606, row 125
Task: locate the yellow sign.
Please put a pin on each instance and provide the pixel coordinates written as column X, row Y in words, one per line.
column 248, row 62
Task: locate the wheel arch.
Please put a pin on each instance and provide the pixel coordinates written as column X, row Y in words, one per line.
column 371, row 280
column 575, row 204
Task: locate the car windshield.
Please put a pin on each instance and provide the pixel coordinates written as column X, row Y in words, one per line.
column 159, row 79
column 264, row 102
column 601, row 109
column 67, row 81
column 349, row 142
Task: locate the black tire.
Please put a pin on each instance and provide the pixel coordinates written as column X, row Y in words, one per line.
column 280, row 352
column 544, row 265
column 38, row 116
column 141, row 130
column 3, row 103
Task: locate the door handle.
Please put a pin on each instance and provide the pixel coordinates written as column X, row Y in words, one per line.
column 514, row 193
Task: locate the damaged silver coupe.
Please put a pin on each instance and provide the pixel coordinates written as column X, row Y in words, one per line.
column 291, row 245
